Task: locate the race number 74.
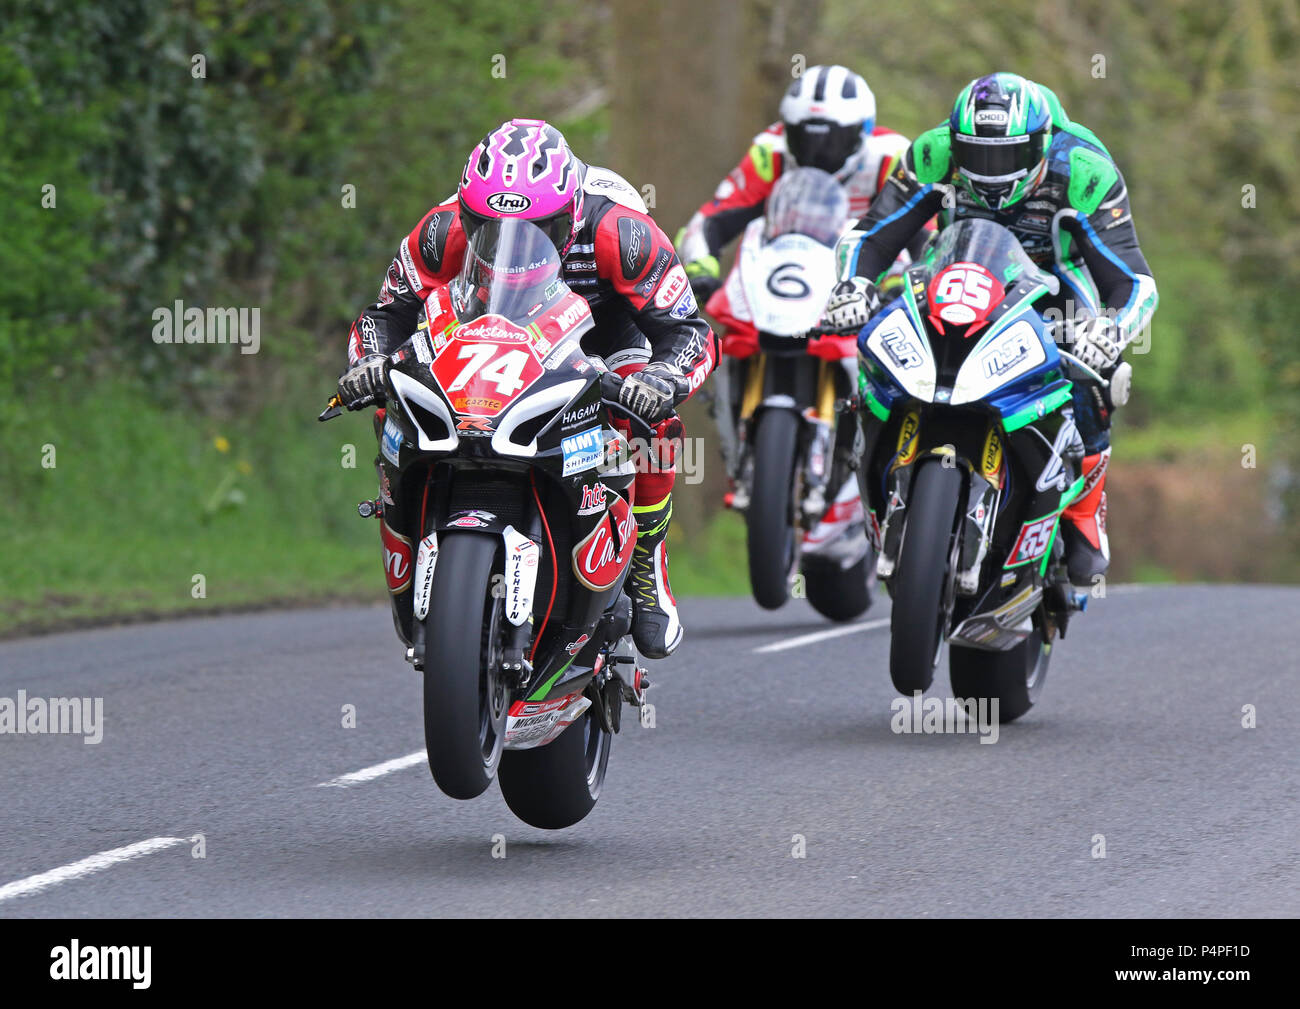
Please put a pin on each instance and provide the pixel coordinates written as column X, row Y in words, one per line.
column 505, row 371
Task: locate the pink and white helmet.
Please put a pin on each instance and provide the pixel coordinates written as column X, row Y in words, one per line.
column 524, row 170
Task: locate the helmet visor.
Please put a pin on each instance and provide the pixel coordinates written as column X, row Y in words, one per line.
column 996, row 160
column 558, row 227
column 818, row 143
column 510, row 266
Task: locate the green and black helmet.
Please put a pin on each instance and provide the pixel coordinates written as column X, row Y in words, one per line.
column 1001, row 127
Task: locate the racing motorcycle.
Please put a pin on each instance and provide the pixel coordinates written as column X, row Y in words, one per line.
column 975, row 458
column 791, row 463
column 497, row 440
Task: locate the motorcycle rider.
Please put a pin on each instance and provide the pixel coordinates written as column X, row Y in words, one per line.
column 1009, row 153
column 828, row 121
column 647, row 327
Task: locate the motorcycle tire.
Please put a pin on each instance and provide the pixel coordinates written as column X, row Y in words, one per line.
column 770, row 532
column 923, row 577
column 556, row 785
column 465, row 704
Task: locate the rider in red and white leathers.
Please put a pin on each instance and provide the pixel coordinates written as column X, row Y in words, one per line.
column 828, row 121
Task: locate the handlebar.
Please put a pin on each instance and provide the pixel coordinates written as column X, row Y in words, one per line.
column 820, row 330
column 610, row 383
column 1088, row 372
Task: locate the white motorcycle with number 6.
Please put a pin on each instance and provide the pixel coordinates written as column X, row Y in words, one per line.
column 790, row 460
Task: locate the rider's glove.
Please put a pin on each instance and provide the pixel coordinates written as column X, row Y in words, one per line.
column 705, row 277
column 363, row 384
column 1096, row 343
column 852, row 303
column 653, row 392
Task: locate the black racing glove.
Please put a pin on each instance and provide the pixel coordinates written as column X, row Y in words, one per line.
column 362, row 385
column 653, row 392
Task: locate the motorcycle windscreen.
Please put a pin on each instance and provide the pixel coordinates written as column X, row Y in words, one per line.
column 511, row 269
column 514, row 314
column 976, row 271
column 809, row 202
column 993, row 247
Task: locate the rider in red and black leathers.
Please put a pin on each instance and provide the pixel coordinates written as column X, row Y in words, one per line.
column 625, row 267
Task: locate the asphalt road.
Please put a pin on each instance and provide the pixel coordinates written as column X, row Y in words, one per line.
column 228, row 727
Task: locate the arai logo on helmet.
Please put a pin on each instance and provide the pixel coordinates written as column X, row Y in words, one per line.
column 508, row 203
column 992, row 117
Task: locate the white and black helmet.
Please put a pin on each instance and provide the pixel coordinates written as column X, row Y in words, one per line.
column 827, row 112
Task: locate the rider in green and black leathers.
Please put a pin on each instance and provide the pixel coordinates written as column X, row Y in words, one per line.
column 1009, row 153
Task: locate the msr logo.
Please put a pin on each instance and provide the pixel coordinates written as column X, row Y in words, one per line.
column 75, row 962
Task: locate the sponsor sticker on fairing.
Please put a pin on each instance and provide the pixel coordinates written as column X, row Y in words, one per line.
column 562, row 354
column 535, row 724
column 605, row 553
column 573, row 315
column 580, row 415
column 391, row 443
column 522, row 557
column 423, row 349
column 397, row 558
column 593, row 499
column 425, row 559
column 583, row 450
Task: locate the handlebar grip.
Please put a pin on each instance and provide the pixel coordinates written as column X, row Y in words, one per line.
column 610, row 383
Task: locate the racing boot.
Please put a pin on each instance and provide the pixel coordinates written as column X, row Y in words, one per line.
column 1083, row 525
column 656, row 630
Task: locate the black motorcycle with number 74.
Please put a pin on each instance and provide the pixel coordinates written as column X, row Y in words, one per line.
column 508, row 587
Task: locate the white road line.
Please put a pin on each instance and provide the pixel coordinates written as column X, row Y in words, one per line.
column 808, row 639
column 86, row 866
column 378, row 771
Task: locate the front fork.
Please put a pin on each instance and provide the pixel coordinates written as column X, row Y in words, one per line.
column 984, row 487
column 819, row 454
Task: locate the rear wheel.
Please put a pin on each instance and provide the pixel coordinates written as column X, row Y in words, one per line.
column 1013, row 679
column 923, row 585
column 770, row 532
column 465, row 698
column 556, row 785
column 839, row 593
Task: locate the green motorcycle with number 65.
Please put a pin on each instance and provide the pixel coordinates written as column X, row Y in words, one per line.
column 970, row 456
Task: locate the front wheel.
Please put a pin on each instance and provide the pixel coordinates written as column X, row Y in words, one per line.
column 1012, row 680
column 556, row 785
column 465, row 699
column 770, row 530
column 924, row 580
